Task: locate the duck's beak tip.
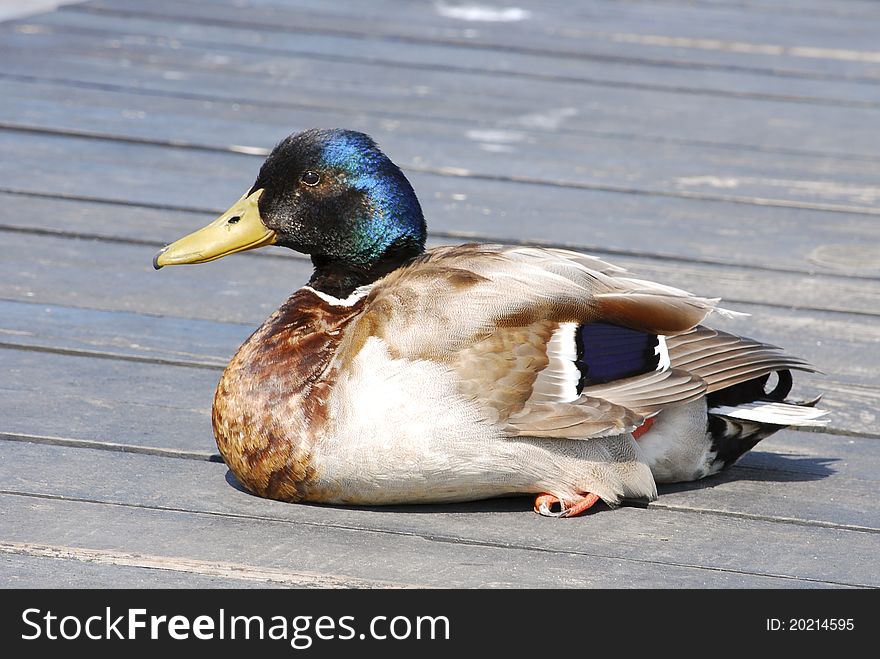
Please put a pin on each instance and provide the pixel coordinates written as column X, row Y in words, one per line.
column 156, row 264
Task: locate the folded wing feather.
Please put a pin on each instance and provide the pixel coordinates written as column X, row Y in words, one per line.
column 488, row 313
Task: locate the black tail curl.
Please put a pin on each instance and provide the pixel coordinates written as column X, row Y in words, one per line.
column 731, row 438
column 752, row 390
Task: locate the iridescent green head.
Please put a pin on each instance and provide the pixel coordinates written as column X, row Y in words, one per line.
column 331, row 194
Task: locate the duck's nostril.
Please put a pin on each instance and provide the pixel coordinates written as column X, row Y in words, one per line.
column 233, row 220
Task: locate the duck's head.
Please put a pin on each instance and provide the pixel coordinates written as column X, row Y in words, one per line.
column 331, row 194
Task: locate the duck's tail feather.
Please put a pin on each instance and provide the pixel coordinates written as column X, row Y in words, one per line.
column 773, row 413
column 734, row 430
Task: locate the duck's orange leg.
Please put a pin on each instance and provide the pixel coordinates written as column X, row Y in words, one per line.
column 544, row 505
column 642, row 429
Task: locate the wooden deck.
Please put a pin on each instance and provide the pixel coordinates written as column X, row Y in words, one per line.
column 730, row 147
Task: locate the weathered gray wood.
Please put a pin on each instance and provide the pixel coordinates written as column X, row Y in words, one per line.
column 688, row 170
column 795, row 476
column 115, row 221
column 575, row 31
column 544, row 155
column 395, row 559
column 822, row 457
column 462, row 57
column 120, row 277
column 725, row 232
column 851, row 406
column 502, row 536
column 129, row 404
column 499, row 101
column 852, row 8
column 123, row 334
column 22, row 570
column 690, row 229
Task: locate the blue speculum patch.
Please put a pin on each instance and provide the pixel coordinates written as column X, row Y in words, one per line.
column 608, row 352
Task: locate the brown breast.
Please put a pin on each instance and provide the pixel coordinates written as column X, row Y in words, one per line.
column 270, row 407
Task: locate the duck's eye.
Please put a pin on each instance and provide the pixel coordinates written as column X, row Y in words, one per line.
column 311, row 178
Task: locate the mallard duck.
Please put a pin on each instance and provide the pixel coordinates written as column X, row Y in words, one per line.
column 404, row 375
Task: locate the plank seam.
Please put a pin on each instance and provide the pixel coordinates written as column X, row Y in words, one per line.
column 429, row 537
column 220, row 569
column 98, row 445
column 456, row 235
column 469, row 43
column 146, row 314
column 217, row 366
column 749, row 7
column 438, row 120
column 194, row 44
column 810, row 523
column 826, row 430
column 454, row 172
column 115, row 356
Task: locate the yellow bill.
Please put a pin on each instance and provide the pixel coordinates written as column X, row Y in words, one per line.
column 238, row 229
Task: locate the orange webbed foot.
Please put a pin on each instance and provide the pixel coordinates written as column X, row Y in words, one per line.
column 544, row 504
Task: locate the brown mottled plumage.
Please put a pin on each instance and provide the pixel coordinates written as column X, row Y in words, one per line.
column 270, row 405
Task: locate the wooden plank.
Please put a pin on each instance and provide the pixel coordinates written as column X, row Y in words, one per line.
column 509, row 544
column 860, row 8
column 853, row 8
column 467, row 206
column 120, row 277
column 23, row 570
column 344, row 554
column 432, row 57
column 809, row 477
column 611, row 163
column 819, row 456
column 118, row 402
column 114, row 221
column 502, row 101
column 123, row 334
column 690, row 20
column 582, row 28
column 553, row 159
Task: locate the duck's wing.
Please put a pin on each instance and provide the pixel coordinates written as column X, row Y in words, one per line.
column 725, row 360
column 549, row 342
